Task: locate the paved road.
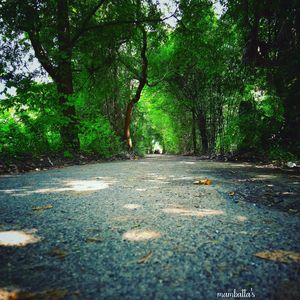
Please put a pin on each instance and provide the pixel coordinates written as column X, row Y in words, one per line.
column 142, row 230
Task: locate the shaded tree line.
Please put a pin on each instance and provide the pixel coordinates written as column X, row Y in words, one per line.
column 121, row 78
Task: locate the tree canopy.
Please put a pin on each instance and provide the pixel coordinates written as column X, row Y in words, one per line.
column 107, row 76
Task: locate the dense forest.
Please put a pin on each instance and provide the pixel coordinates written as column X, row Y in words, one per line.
column 104, row 77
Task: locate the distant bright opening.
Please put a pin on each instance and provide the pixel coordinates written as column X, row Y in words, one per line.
column 156, row 147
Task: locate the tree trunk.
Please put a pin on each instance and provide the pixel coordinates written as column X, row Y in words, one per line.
column 68, row 131
column 194, row 131
column 127, row 125
column 64, row 81
column 203, row 132
column 137, row 96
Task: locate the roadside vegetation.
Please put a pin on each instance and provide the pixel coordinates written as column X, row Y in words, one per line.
column 100, row 79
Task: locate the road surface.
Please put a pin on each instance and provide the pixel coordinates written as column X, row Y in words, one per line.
column 141, row 229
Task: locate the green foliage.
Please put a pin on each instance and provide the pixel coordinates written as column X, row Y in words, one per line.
column 98, row 137
column 22, row 134
column 162, row 126
column 68, row 154
column 216, row 85
column 30, row 121
column 279, row 153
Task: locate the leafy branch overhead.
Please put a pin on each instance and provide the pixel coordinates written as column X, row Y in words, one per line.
column 179, row 77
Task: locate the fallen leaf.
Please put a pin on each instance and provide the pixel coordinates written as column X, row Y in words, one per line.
column 213, row 242
column 144, row 259
column 231, row 193
column 94, row 239
column 8, row 294
column 51, row 294
column 280, row 256
column 204, row 182
column 37, row 208
column 57, row 252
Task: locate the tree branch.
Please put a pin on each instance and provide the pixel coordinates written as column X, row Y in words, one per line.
column 41, row 54
column 123, row 22
column 153, row 84
column 143, row 76
column 81, row 29
column 130, row 68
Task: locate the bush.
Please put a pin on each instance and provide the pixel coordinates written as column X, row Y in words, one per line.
column 98, row 137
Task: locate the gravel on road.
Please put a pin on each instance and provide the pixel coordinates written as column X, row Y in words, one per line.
column 141, row 229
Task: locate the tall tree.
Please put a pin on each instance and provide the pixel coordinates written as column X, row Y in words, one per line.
column 47, row 25
column 55, row 28
column 270, row 32
column 142, row 81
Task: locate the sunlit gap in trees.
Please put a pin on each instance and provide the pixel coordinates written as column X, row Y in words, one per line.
column 30, row 65
column 218, row 8
column 156, row 147
column 17, row 238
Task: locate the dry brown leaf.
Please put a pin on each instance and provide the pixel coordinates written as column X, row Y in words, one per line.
column 231, row 193
column 8, row 295
column 38, row 208
column 280, row 256
column 94, row 239
column 144, row 259
column 57, row 252
column 51, row 294
column 204, row 182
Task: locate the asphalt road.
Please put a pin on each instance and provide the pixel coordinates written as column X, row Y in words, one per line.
column 141, row 229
